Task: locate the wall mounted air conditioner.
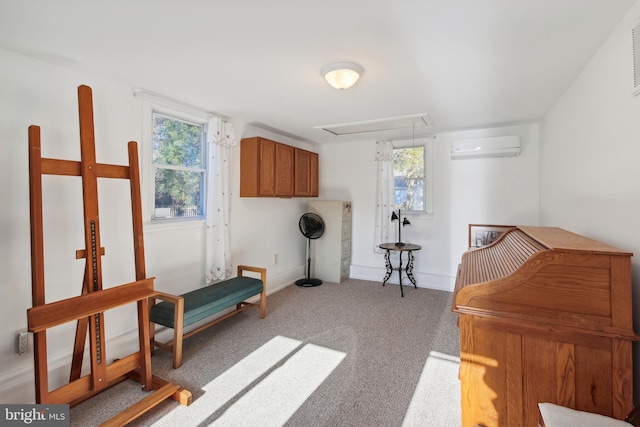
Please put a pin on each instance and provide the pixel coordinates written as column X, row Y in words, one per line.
column 495, row 146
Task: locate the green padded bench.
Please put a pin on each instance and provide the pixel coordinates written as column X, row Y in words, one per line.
column 201, row 303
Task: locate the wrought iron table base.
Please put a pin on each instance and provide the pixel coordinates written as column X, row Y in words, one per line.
column 408, row 269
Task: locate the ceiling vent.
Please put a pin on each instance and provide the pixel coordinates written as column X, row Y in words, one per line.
column 420, row 123
column 497, row 146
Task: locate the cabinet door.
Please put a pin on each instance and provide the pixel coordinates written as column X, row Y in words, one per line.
column 284, row 170
column 314, row 174
column 302, row 173
column 267, row 168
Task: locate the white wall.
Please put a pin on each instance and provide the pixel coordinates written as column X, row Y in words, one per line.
column 34, row 92
column 590, row 151
column 480, row 191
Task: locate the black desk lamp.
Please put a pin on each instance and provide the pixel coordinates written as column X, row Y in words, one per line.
column 402, row 223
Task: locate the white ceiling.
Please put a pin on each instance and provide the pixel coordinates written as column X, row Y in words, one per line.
column 467, row 63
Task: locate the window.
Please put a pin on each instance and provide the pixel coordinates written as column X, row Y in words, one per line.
column 408, row 176
column 178, row 167
column 412, row 175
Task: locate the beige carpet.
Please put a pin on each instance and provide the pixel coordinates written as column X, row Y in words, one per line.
column 349, row 354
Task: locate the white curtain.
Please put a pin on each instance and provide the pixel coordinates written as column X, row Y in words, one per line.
column 385, row 200
column 220, row 138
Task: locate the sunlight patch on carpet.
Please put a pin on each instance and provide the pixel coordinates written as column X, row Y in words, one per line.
column 276, row 398
column 231, row 382
column 437, row 395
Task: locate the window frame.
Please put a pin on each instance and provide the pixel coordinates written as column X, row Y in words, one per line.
column 427, row 143
column 174, row 110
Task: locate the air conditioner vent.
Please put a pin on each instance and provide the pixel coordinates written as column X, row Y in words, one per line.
column 496, row 146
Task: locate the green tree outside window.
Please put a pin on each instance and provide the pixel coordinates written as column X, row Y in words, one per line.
column 409, row 173
column 178, row 159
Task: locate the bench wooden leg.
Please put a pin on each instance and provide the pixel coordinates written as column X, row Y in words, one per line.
column 263, row 277
column 178, row 318
column 178, row 326
column 263, row 302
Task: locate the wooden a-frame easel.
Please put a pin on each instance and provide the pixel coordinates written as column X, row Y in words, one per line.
column 88, row 309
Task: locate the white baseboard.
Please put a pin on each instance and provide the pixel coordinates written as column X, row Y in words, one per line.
column 284, row 279
column 19, row 386
column 423, row 280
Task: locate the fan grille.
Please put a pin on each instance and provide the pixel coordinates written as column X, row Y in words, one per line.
column 311, row 225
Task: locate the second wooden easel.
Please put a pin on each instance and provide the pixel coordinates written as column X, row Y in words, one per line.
column 88, row 308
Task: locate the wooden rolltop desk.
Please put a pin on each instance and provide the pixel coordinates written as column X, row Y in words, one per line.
column 544, row 316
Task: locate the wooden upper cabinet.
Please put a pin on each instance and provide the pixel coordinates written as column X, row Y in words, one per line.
column 272, row 169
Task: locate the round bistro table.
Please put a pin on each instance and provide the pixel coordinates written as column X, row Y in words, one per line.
column 406, row 247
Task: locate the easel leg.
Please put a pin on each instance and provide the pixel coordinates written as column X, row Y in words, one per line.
column 81, row 335
column 145, row 350
column 41, row 372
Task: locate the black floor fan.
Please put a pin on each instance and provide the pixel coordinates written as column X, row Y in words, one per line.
column 312, row 227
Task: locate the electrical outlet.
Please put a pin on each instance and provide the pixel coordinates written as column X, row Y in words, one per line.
column 275, row 259
column 23, row 343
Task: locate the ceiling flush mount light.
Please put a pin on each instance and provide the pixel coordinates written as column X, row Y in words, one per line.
column 342, row 75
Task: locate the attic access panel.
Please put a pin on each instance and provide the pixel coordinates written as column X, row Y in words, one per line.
column 418, row 122
column 635, row 36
